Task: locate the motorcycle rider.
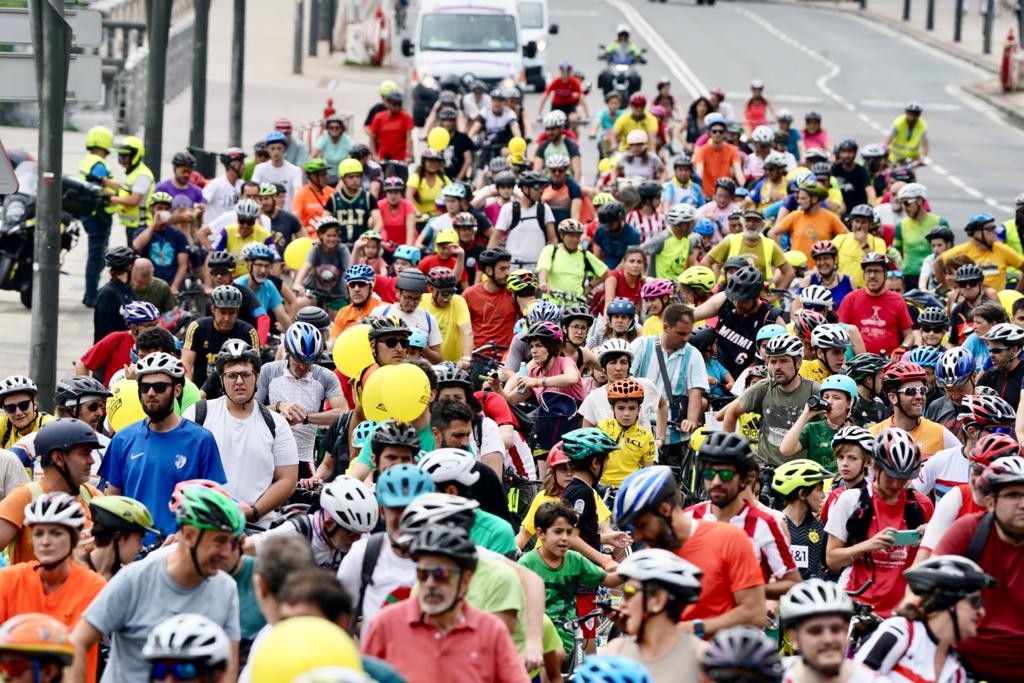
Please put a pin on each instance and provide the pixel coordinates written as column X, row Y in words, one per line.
column 134, row 189
column 94, row 169
column 623, row 50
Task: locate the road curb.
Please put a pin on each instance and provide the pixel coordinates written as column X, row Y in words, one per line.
column 1006, row 108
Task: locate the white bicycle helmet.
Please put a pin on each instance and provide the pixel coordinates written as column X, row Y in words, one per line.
column 190, row 637
column 247, row 208
column 637, row 137
column 615, row 346
column 816, row 295
column 436, row 508
column 785, row 345
column 681, row 213
column 762, row 135
column 17, row 384
column 777, row 159
column 828, row 336
column 912, row 191
column 812, row 598
column 680, row 577
column 557, row 161
column 450, row 464
column 351, row 504
column 55, row 508
column 1008, row 333
column 159, row 363
column 855, row 435
column 554, row 119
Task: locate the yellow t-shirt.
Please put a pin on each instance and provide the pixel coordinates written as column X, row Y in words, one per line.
column 426, row 194
column 449, row 319
column 813, row 370
column 626, row 123
column 993, row 263
column 603, row 513
column 652, row 327
column 851, row 253
column 636, row 450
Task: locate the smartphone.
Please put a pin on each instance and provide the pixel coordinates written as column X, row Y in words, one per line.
column 906, row 537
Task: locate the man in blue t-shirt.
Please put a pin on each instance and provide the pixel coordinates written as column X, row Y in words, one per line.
column 147, row 459
column 164, row 244
column 614, row 235
column 260, row 260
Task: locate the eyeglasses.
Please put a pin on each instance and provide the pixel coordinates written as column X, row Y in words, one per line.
column 913, row 391
column 629, row 590
column 998, row 349
column 438, row 574
column 975, row 600
column 965, row 285
column 235, row 376
column 392, row 342
column 579, row 327
column 20, row 406
column 717, row 131
column 182, row 671
column 709, row 474
column 158, row 387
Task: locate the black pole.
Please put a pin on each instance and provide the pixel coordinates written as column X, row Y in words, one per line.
column 906, row 10
column 332, row 15
column 52, row 40
column 314, row 26
column 297, row 40
column 237, row 75
column 159, row 27
column 990, row 10
column 958, row 21
column 197, row 134
column 930, row 21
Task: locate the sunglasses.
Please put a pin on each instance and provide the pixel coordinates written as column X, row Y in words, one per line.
column 20, row 406
column 182, row 671
column 158, row 387
column 975, row 601
column 94, row 406
column 934, row 330
column 358, row 284
column 718, row 131
column 392, row 342
column 446, row 292
column 998, row 349
column 709, row 474
column 628, row 591
column 246, row 221
column 913, row 391
column 438, row 574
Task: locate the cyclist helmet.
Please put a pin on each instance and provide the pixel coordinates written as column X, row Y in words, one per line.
column 683, row 160
column 532, row 179
column 450, row 374
column 933, row 316
column 120, row 257
column 666, row 569
column 625, row 389
column 746, row 285
column 637, row 137
column 726, row 448
column 247, row 208
column 121, row 513
column 268, row 190
column 942, row 581
column 858, row 436
column 1007, row 333
column 324, row 223
column 769, row 332
column 315, row 316
column 556, row 456
column 55, row 508
column 570, row 313
column 464, row 219
column 257, row 251
column 442, row 278
column 797, row 474
column 411, row 280
column 641, row 491
column 898, row 374
column 978, row 221
column 399, row 485
column 925, row 356
column 912, row 191
column 681, row 213
column 447, row 541
column 762, row 135
column 621, row 306
column 543, row 310
column 698, row 277
column 823, row 248
column 314, row 166
column 210, row 510
column 610, row 212
column 613, row 348
column 491, row 257
column 968, row 273
column 505, row 179
column 62, row 435
column 775, row 159
column 742, row 654
column 137, row 312
column 806, row 322
column 159, row 363
column 350, row 166
column 303, row 343
column 521, row 280
column 556, row 161
column 1002, row 472
column 407, row 252
column 987, row 411
column 829, row 336
column 649, row 189
column 160, row 198
column 498, row 164
column 611, row 669
column 394, row 433
column 863, row 365
column 991, row 447
column 784, row 345
column 873, row 150
column 814, row 598
column 454, row 190
column 359, row 272
column 571, row 226
column 813, row 188
column 350, row 503
column 656, row 288
column 190, row 637
column 73, row 389
column 393, row 184
column 554, row 119
column 221, row 260
column 544, row 331
column 386, row 325
column 897, row 453
column 863, row 211
column 816, row 295
column 236, row 350
column 587, row 442
column 839, row 383
column 727, row 184
column 437, row 508
column 34, row 635
column 226, row 296
column 940, row 232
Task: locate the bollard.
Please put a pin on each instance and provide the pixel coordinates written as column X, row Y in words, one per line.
column 930, row 21
column 297, row 47
column 906, row 10
column 958, row 21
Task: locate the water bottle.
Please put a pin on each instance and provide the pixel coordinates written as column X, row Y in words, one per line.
column 523, row 372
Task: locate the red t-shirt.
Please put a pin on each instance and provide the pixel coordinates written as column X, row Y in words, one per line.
column 384, row 287
column 391, row 131
column 726, row 558
column 623, row 289
column 564, row 92
column 433, row 260
column 111, row 353
column 394, row 223
column 543, row 137
column 493, row 315
column 881, row 319
column 995, row 653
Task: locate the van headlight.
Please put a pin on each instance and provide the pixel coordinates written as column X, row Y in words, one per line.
column 541, row 46
column 429, row 82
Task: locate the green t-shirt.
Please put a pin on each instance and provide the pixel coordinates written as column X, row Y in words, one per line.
column 670, row 262
column 816, row 439
column 567, row 271
column 561, row 586
column 426, row 445
column 910, row 238
column 250, row 618
column 493, row 533
column 189, row 396
column 496, row 588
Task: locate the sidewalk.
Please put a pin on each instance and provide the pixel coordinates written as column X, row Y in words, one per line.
column 271, row 91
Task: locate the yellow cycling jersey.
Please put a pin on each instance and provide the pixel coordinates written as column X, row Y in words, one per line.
column 813, row 370
column 652, row 327
column 636, row 450
column 929, row 435
column 235, row 244
column 9, row 435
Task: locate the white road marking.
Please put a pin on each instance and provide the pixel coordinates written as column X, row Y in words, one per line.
column 834, row 70
column 781, row 99
column 892, row 105
column 574, row 13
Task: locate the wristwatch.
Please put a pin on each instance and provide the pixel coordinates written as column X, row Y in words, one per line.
column 305, row 419
column 255, row 514
column 698, row 628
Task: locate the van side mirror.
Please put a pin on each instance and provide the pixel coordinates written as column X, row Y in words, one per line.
column 407, row 47
column 553, row 29
column 530, row 50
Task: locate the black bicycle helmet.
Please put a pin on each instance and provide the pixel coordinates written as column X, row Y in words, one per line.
column 703, row 338
column 394, row 433
column 942, row 581
column 184, row 160
column 411, row 280
column 847, row 145
column 315, row 316
column 864, row 365
column 727, row 448
column 969, row 272
column 902, row 174
column 222, row 259
column 358, row 151
column 386, row 325
column 493, row 256
column 649, row 189
column 74, row 389
column 940, row 232
column 447, row 541
column 569, row 313
column 742, row 654
column 745, row 285
column 505, row 179
column 120, row 257
column 62, row 435
column 532, row 179
column 933, row 316
column 611, row 212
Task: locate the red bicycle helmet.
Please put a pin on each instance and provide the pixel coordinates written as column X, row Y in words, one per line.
column 993, row 446
column 805, row 322
column 441, row 277
column 638, row 100
column 988, row 411
column 180, row 487
column 625, row 388
column 901, row 373
column 873, row 258
column 556, row 456
column 823, row 248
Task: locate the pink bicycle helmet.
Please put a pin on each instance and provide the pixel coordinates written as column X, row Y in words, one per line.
column 654, row 289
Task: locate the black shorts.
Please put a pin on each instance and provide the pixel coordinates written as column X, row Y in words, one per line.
column 565, row 108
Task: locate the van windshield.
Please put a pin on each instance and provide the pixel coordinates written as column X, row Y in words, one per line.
column 531, row 15
column 469, row 33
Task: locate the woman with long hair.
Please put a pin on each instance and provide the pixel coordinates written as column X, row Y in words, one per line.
column 695, row 127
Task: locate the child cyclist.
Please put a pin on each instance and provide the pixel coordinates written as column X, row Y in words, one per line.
column 636, row 442
column 852, row 448
column 801, row 483
column 656, row 295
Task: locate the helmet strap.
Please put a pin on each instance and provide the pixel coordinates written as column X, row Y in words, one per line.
column 193, row 553
column 956, row 623
column 65, row 475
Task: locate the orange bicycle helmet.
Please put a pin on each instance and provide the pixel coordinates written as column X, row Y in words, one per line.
column 37, row 635
column 625, row 388
column 556, row 456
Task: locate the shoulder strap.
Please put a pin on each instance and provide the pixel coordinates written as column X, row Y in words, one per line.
column 980, row 537
column 268, row 418
column 373, row 548
column 201, row 412
column 303, row 525
column 517, row 215
column 913, row 515
column 663, row 367
column 858, row 523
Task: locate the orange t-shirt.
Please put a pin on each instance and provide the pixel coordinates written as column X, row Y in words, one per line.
column 725, row 555
column 805, row 229
column 12, row 509
column 21, row 591
column 718, row 163
column 308, row 204
column 352, row 315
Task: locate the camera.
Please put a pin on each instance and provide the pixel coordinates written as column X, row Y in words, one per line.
column 816, row 403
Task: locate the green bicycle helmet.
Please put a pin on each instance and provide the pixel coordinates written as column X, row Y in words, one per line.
column 586, row 442
column 209, row 510
column 796, row 474
column 863, row 365
column 315, row 166
column 160, row 198
column 121, row 513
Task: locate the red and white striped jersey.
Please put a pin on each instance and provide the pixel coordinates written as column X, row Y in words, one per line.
column 770, row 545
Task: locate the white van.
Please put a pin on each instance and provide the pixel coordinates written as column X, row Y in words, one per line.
column 536, row 27
column 464, row 39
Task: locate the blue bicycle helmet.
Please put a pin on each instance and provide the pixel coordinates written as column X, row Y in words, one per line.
column 408, row 253
column 704, row 227
column 769, row 332
column 276, row 136
column 955, row 367
column 839, row 383
column 544, row 310
column 417, row 339
column 363, row 431
column 258, row 251
column 611, row 669
column 303, row 342
column 359, row 272
column 586, row 442
column 137, row 312
column 641, row 491
column 978, row 221
column 399, row 485
column 621, row 306
column 927, row 356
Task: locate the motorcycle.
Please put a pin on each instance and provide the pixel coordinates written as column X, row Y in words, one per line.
column 620, row 76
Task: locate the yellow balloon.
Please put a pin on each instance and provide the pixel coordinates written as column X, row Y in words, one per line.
column 373, row 394
column 1007, row 297
column 124, row 407
column 438, row 139
column 517, row 146
column 352, row 351
column 297, row 645
column 296, row 251
column 406, row 392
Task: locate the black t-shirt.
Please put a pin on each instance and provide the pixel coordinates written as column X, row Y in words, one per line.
column 853, row 184
column 737, row 333
column 247, row 313
column 456, row 152
column 489, row 492
column 1006, row 383
column 213, row 387
column 285, row 227
column 374, row 110
column 206, row 341
column 579, row 496
column 472, row 255
column 107, row 317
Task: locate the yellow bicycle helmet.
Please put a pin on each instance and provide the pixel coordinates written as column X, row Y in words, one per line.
column 698, row 277
column 349, row 167
column 796, row 258
column 602, row 198
column 521, row 279
column 387, row 87
column 797, row 474
column 446, row 236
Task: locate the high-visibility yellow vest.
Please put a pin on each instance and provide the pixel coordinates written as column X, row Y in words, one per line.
column 906, row 144
column 131, row 216
column 85, row 168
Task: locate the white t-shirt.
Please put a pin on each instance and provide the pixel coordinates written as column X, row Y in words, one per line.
column 417, row 320
column 528, row 237
column 595, row 406
column 287, row 174
column 247, row 450
column 472, row 107
column 393, row 579
column 220, row 196
column 943, row 471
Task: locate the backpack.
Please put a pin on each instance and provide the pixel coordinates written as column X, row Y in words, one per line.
column 370, row 557
column 860, row 520
column 980, row 536
column 517, row 215
column 268, row 417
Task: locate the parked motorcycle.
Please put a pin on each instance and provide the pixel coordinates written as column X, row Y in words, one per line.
column 620, row 75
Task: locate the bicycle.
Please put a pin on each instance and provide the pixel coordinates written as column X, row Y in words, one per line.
column 562, row 298
column 864, row 621
column 576, row 654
